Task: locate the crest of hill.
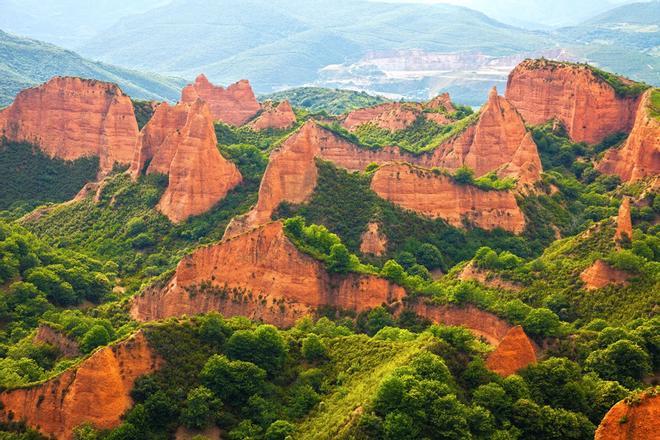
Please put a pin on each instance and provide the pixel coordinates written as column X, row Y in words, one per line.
column 31, row 62
column 319, row 99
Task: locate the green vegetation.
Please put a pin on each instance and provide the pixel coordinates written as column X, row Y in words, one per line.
column 655, row 103
column 144, row 110
column 124, row 229
column 29, row 62
column 421, row 137
column 29, row 177
column 330, row 101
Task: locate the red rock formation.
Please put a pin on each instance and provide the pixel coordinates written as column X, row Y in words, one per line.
column 624, row 221
column 392, row 116
column 600, row 274
column 262, row 275
column 441, row 102
column 640, row 155
column 438, row 196
column 70, row 118
column 180, row 141
column 48, row 335
column 638, row 420
column 395, row 116
column 234, row 105
column 373, row 242
column 278, row 117
column 514, row 353
column 95, row 391
column 498, row 135
column 588, row 107
column 483, row 324
column 498, row 142
column 153, row 146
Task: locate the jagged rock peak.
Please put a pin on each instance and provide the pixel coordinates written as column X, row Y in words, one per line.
column 235, row 105
column 639, row 157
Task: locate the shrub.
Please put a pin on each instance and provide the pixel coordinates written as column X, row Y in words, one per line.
column 313, row 349
column 542, row 322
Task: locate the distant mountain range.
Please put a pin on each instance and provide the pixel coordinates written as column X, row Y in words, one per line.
column 399, row 50
column 25, row 63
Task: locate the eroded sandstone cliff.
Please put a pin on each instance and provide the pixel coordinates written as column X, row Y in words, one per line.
column 498, row 141
column 585, row 104
column 262, row 275
column 395, row 116
column 624, row 229
column 639, row 157
column 601, row 274
column 277, row 117
column 70, row 118
column 96, row 391
column 513, row 353
column 234, row 105
column 637, row 419
column 437, row 196
column 180, row 141
column 373, row 242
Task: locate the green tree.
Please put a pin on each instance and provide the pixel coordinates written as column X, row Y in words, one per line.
column 377, row 319
column 264, row 347
column 279, row 430
column 233, row 381
column 464, row 176
column 622, row 361
column 542, row 322
column 96, row 336
column 200, row 409
column 430, row 256
column 339, row 260
column 400, row 426
column 393, row 271
column 313, row 349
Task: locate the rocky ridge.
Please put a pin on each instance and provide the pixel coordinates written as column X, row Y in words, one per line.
column 235, row 105
column 572, row 94
column 438, row 196
column 70, row 118
column 95, row 391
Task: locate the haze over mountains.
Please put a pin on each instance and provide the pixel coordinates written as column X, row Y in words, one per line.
column 398, row 49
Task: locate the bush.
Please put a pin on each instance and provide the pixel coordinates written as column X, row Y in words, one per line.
column 542, row 322
column 96, row 336
column 622, row 361
column 233, row 381
column 313, row 349
column 279, row 430
column 263, row 347
column 201, row 408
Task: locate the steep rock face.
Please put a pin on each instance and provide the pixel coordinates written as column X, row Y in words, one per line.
column 70, row 118
column 262, row 275
column 96, row 391
column 638, row 421
column 291, row 173
column 438, row 196
column 277, row 117
column 588, row 107
column 640, row 155
column 498, row 142
column 234, row 105
column 180, row 141
column 624, row 221
column 373, row 242
column 601, row 274
column 48, row 335
column 484, row 324
column 153, row 146
column 513, row 353
column 442, row 102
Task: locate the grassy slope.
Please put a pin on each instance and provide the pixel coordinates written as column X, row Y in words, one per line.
column 367, row 363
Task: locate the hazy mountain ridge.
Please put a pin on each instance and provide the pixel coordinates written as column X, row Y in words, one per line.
column 25, row 62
